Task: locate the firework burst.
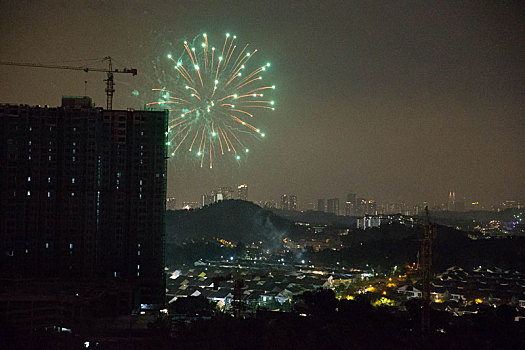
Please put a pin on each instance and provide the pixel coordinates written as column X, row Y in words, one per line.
column 213, row 100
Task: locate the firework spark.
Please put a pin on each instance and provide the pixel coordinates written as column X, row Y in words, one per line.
column 213, row 99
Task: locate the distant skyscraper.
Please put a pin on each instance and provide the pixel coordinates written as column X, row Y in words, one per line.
column 284, row 202
column 451, row 200
column 289, row 202
column 321, row 205
column 83, row 193
column 242, row 192
column 332, row 206
column 226, row 192
column 208, row 199
column 361, row 207
column 292, row 202
column 350, row 204
column 371, row 207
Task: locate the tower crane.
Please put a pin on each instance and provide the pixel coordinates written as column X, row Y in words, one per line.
column 109, row 80
column 425, row 265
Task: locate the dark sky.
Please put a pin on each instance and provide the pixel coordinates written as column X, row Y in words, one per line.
column 396, row 101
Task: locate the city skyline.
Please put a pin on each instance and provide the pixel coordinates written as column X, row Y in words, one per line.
column 346, row 204
column 394, row 102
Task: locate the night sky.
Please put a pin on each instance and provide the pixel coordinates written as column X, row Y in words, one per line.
column 395, row 101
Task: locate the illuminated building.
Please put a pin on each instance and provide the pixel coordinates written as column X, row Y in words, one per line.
column 288, row 202
column 368, row 221
column 361, row 206
column 83, row 194
column 371, row 207
column 350, row 204
column 208, row 199
column 292, row 202
column 190, row 205
column 284, row 202
column 224, row 193
column 242, row 192
column 451, row 200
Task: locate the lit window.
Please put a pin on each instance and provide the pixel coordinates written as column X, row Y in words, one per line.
column 138, row 252
column 140, row 182
column 140, row 195
column 72, row 180
column 48, row 180
column 115, row 274
column 74, row 158
column 138, row 267
column 48, row 194
column 49, row 158
column 47, row 245
column 70, row 245
column 29, row 179
column 72, row 194
column 138, row 274
column 28, row 192
column 29, row 143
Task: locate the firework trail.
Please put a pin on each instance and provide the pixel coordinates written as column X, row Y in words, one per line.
column 213, row 100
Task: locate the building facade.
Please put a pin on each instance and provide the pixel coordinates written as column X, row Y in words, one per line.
column 242, row 192
column 332, row 206
column 289, row 202
column 83, row 194
column 350, row 204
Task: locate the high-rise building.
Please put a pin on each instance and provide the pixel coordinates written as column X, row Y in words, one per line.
column 361, row 206
column 350, row 204
column 225, row 192
column 284, row 202
column 451, row 200
column 371, row 207
column 292, row 202
column 83, row 193
column 332, row 206
column 288, row 202
column 242, row 192
column 208, row 199
column 321, row 205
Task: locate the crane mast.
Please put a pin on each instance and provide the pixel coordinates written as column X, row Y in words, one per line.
column 109, row 71
column 429, row 233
